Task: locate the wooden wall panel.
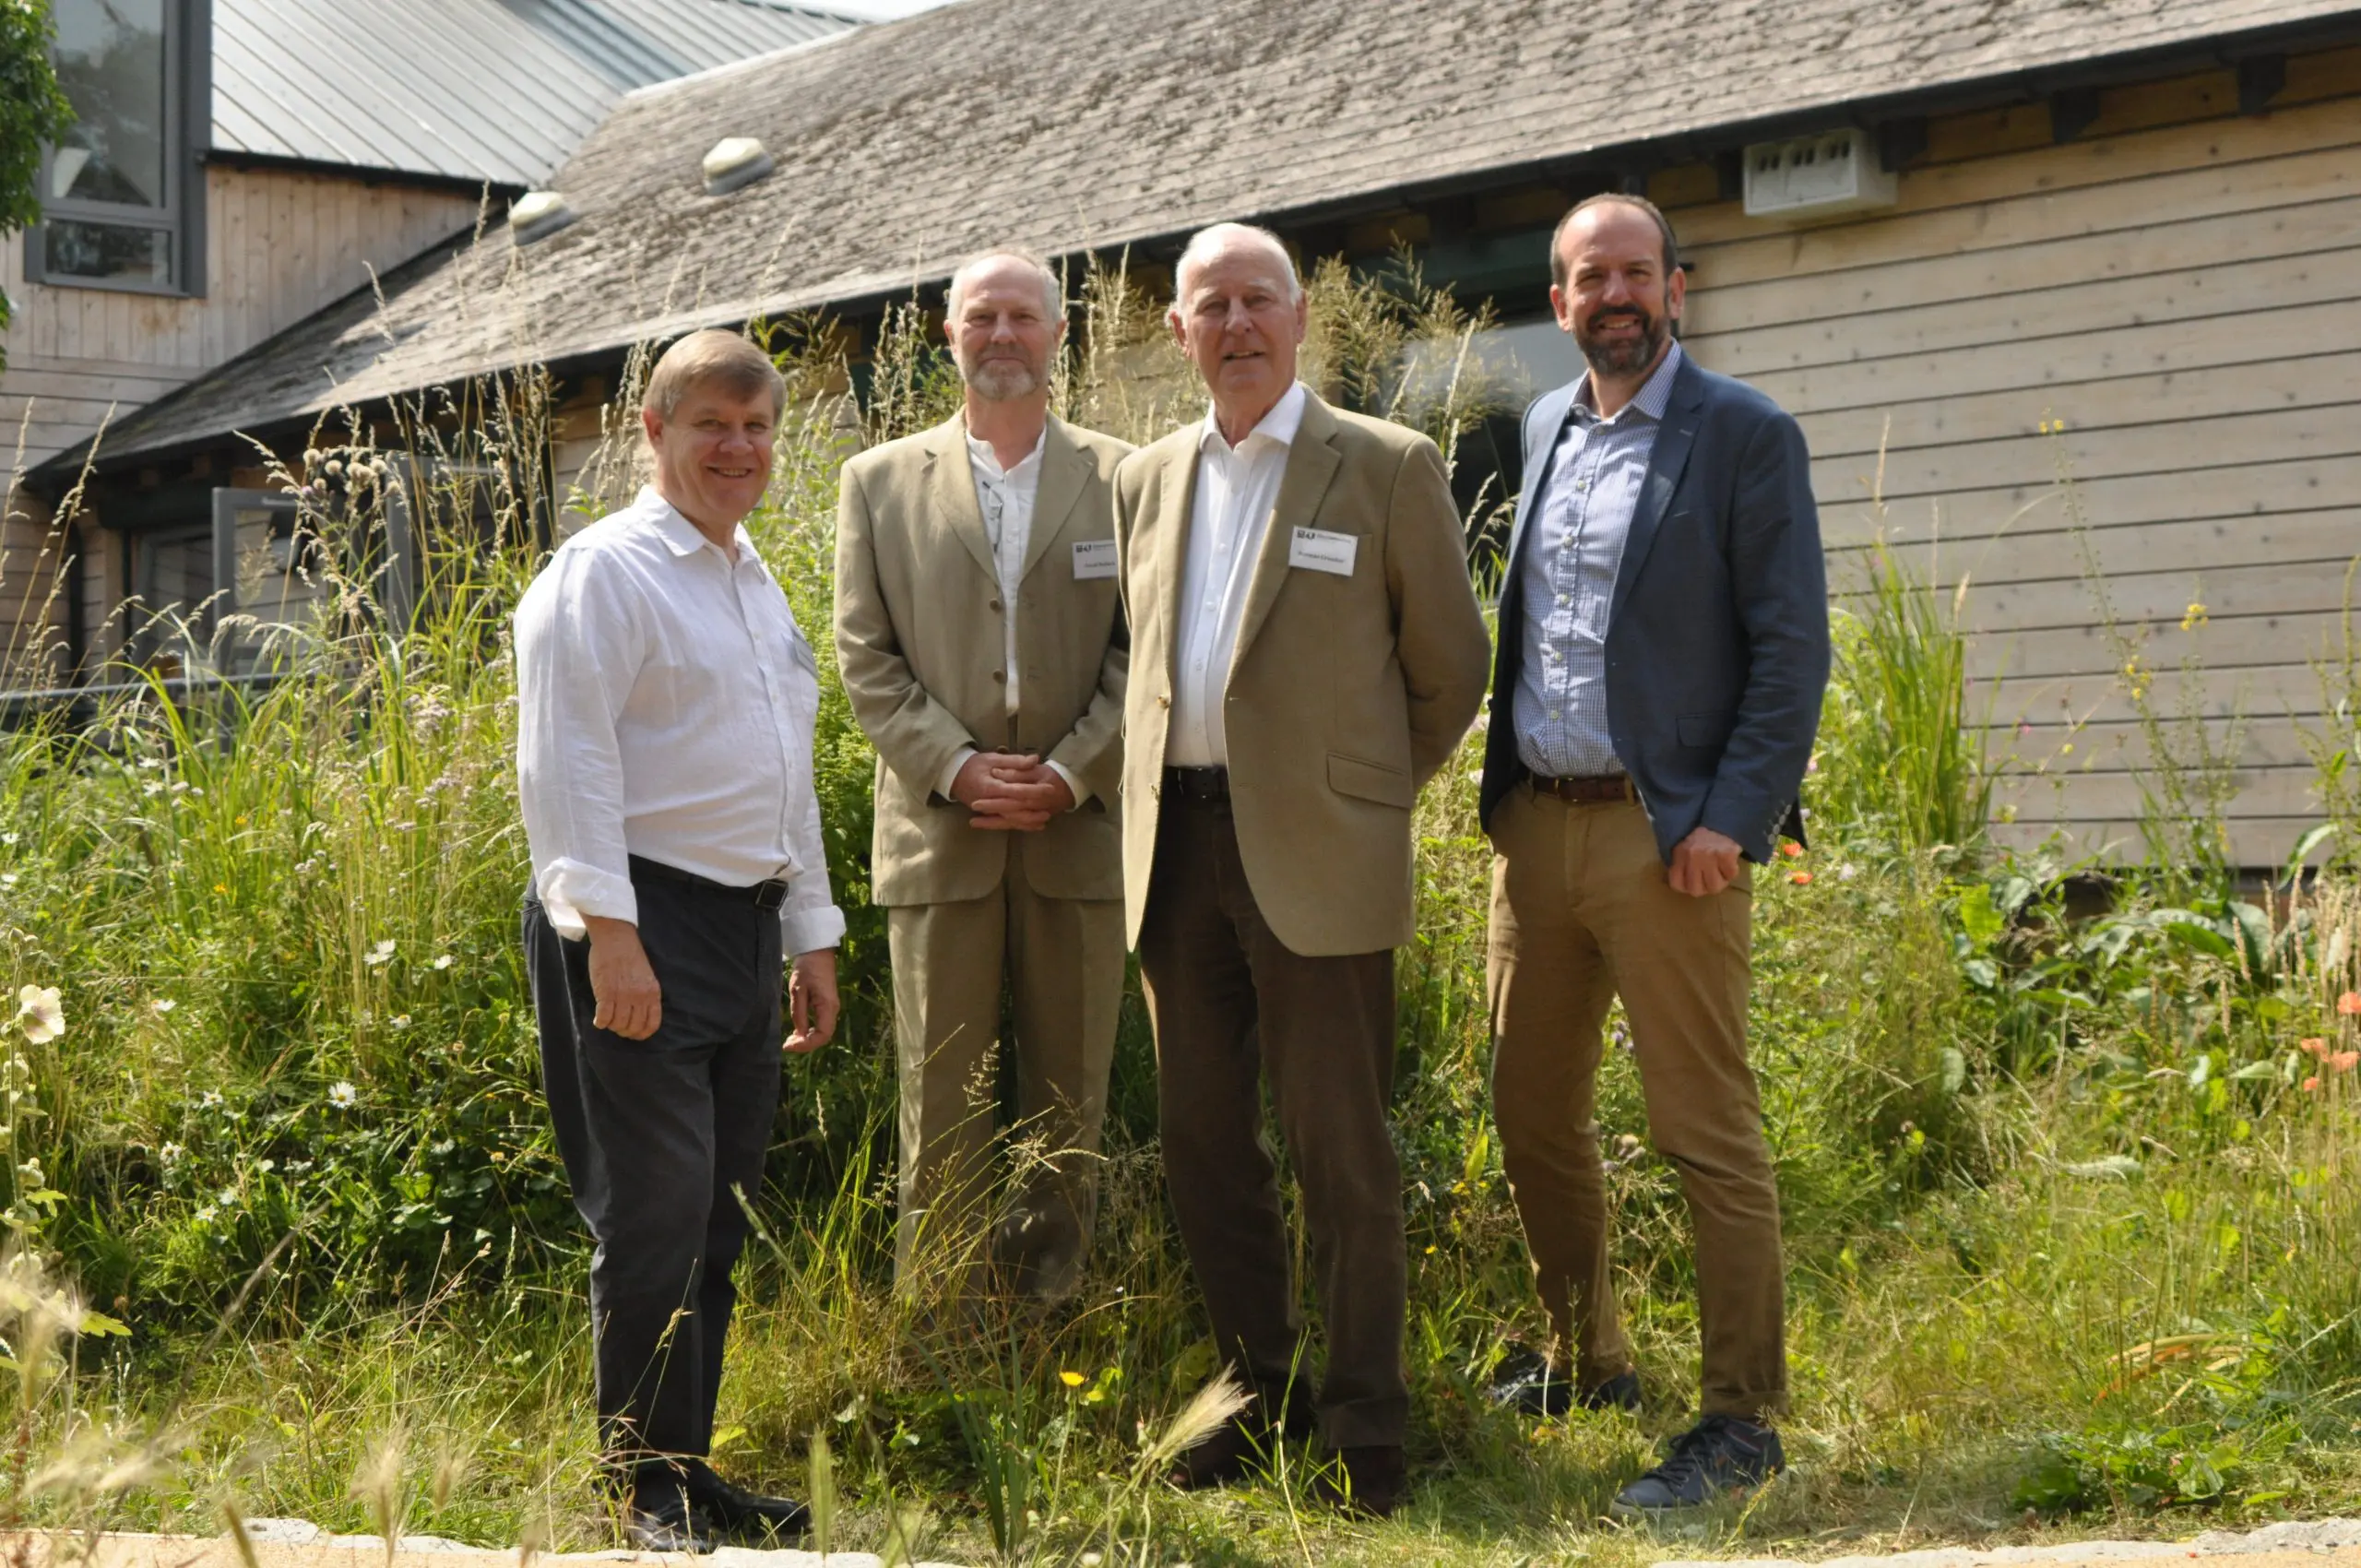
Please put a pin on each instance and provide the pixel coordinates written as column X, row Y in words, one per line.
column 2167, row 311
column 279, row 245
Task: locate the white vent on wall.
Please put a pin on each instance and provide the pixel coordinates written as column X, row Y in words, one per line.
column 1833, row 172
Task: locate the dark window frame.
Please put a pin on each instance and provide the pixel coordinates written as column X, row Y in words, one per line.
column 188, row 128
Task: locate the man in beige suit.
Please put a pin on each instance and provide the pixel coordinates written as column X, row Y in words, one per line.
column 1309, row 651
column 982, row 647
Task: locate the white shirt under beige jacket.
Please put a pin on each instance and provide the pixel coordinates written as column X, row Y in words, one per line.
column 1236, row 488
column 1007, row 498
column 665, row 704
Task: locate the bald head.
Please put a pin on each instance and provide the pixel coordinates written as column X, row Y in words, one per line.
column 1223, row 241
column 1005, row 266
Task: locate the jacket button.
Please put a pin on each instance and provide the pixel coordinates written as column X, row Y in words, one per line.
column 999, row 677
column 995, row 606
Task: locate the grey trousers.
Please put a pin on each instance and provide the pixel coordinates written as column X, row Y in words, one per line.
column 660, row 1136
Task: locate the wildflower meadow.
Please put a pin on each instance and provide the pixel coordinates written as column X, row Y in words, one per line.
column 2071, row 1163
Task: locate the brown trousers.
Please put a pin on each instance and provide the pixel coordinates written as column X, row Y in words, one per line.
column 1231, row 1007
column 1063, row 962
column 1582, row 913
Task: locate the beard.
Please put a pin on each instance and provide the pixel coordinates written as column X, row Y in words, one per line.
column 1001, row 380
column 1622, row 356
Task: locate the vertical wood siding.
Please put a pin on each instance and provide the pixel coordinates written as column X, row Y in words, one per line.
column 279, row 245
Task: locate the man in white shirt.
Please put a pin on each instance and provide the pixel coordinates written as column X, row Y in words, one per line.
column 1307, row 652
column 982, row 647
column 665, row 706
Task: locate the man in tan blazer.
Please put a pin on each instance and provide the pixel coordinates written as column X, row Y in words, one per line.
column 981, row 644
column 1307, row 652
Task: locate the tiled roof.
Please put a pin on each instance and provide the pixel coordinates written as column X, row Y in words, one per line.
column 1070, row 128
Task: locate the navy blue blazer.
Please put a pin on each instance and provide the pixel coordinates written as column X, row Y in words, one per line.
column 1717, row 632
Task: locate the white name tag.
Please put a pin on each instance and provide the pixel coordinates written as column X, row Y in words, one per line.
column 1319, row 550
column 1093, row 558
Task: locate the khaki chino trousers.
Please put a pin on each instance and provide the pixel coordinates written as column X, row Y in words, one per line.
column 1062, row 963
column 1582, row 913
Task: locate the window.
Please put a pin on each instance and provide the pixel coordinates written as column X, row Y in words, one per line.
column 122, row 195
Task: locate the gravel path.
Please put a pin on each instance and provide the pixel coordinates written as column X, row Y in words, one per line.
column 2337, row 1541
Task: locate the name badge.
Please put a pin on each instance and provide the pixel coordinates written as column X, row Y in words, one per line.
column 1093, row 558
column 1318, row 550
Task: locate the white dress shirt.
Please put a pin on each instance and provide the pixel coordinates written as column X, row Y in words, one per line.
column 1005, row 497
column 665, row 704
column 1236, row 490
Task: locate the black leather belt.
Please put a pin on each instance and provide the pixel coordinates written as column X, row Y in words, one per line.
column 762, row 894
column 1198, row 783
column 1588, row 790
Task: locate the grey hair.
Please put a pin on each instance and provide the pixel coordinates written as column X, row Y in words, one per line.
column 1054, row 303
column 1207, row 242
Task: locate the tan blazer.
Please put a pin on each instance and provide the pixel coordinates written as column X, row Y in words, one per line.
column 920, row 641
column 1347, row 692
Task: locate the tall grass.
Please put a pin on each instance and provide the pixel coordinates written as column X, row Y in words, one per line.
column 2068, row 1229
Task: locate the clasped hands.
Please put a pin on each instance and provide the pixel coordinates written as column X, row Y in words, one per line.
column 1010, row 791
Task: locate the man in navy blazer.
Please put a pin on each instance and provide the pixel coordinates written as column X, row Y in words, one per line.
column 1663, row 649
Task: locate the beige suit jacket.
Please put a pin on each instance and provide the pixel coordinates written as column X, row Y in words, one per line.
column 920, row 640
column 1345, row 693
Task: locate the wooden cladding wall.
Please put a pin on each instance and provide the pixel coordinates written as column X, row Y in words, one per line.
column 279, row 245
column 2167, row 308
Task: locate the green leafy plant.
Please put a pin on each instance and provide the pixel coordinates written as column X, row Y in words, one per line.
column 33, row 115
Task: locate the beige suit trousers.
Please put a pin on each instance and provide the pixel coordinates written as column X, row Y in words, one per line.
column 1062, row 963
column 1582, row 913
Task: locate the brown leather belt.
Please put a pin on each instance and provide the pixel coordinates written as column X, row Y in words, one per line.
column 1593, row 790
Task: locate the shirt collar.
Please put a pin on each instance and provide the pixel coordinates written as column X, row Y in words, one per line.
column 1280, row 425
column 980, row 453
column 680, row 535
column 1654, row 397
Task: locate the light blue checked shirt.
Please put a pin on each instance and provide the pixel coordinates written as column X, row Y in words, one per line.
column 1567, row 578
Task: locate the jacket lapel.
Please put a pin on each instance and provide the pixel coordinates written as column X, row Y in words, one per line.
column 950, row 489
column 1664, row 466
column 1312, row 461
column 1542, row 425
column 1064, row 472
column 1175, row 497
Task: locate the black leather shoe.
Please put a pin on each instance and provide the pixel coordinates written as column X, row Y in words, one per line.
column 1222, row 1458
column 742, row 1512
column 660, row 1519
column 1245, row 1440
column 1526, row 1382
column 1372, row 1485
column 1721, row 1456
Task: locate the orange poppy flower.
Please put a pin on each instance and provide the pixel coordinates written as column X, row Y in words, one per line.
column 1792, row 850
column 2311, row 1085
column 1800, row 878
column 2313, row 1046
column 2350, row 1004
column 2343, row 1060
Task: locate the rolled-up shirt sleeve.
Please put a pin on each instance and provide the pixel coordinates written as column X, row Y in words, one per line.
column 579, row 643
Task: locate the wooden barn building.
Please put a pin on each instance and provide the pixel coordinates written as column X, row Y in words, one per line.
column 1973, row 245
